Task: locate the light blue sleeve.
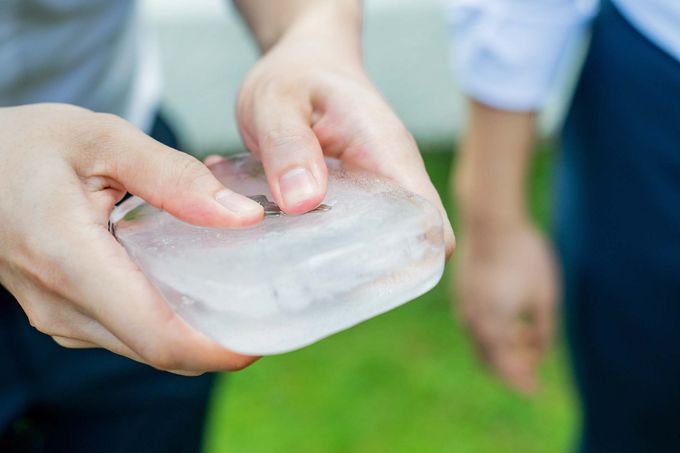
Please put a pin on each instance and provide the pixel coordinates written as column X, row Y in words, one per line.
column 506, row 53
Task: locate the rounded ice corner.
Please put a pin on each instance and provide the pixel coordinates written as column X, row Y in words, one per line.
column 289, row 281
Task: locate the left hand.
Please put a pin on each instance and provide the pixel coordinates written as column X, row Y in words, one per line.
column 303, row 101
column 507, row 287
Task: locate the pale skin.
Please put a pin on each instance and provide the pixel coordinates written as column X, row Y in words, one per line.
column 506, row 281
column 62, row 169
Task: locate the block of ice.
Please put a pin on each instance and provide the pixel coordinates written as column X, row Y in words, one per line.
column 290, row 280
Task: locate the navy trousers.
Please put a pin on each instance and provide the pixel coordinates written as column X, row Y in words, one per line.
column 54, row 399
column 618, row 232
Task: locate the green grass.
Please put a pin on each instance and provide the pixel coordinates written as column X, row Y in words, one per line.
column 406, row 381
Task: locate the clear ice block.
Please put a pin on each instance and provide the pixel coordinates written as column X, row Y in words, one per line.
column 290, row 280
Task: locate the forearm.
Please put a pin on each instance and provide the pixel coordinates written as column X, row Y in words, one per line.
column 330, row 22
column 492, row 170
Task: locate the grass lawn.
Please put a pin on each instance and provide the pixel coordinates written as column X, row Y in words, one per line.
column 404, row 382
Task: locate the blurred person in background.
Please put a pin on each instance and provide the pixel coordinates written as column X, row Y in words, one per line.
column 617, row 206
column 63, row 167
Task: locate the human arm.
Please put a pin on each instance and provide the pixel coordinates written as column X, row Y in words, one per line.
column 309, row 96
column 326, row 19
column 62, row 169
column 506, row 54
column 506, row 279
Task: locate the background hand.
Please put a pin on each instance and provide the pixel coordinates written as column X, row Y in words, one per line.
column 62, row 169
column 506, row 290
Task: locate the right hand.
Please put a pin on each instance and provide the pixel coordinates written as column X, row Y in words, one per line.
column 62, row 169
column 303, row 101
column 506, row 288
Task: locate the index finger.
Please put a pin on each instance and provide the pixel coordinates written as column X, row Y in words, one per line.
column 115, row 292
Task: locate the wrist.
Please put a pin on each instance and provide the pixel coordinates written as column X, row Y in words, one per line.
column 482, row 223
column 330, row 28
column 485, row 207
column 489, row 237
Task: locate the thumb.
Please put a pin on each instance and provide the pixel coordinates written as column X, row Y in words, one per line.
column 281, row 135
column 176, row 182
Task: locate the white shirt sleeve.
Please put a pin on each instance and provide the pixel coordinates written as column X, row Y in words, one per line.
column 506, row 53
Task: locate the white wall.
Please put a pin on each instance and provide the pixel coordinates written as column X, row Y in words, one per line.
column 206, row 51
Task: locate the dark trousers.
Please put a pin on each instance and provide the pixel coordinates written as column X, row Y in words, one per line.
column 54, row 399
column 619, row 239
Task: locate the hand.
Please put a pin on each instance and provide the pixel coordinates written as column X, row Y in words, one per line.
column 62, row 169
column 507, row 287
column 304, row 100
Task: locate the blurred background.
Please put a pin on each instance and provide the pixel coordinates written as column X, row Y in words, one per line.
column 406, row 381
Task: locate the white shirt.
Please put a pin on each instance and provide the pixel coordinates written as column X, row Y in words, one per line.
column 507, row 53
column 92, row 53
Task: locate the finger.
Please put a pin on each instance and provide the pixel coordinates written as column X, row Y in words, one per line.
column 511, row 354
column 417, row 180
column 125, row 303
column 53, row 315
column 505, row 364
column 73, row 343
column 186, row 373
column 170, row 180
column 486, row 335
column 518, row 356
column 516, row 367
column 101, row 339
column 212, row 159
column 506, row 347
column 373, row 130
column 546, row 326
column 90, row 331
column 290, row 153
column 545, row 305
column 114, row 346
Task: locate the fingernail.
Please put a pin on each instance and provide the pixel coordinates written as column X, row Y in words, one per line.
column 237, row 203
column 297, row 186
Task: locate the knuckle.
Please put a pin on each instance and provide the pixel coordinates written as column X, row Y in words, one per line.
column 109, row 121
column 258, row 89
column 284, row 139
column 42, row 321
column 267, row 87
column 189, row 172
column 101, row 130
column 46, row 270
column 401, row 141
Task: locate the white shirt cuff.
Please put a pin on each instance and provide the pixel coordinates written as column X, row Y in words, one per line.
column 507, row 53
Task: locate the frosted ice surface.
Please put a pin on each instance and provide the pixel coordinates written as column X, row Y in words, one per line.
column 290, row 280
